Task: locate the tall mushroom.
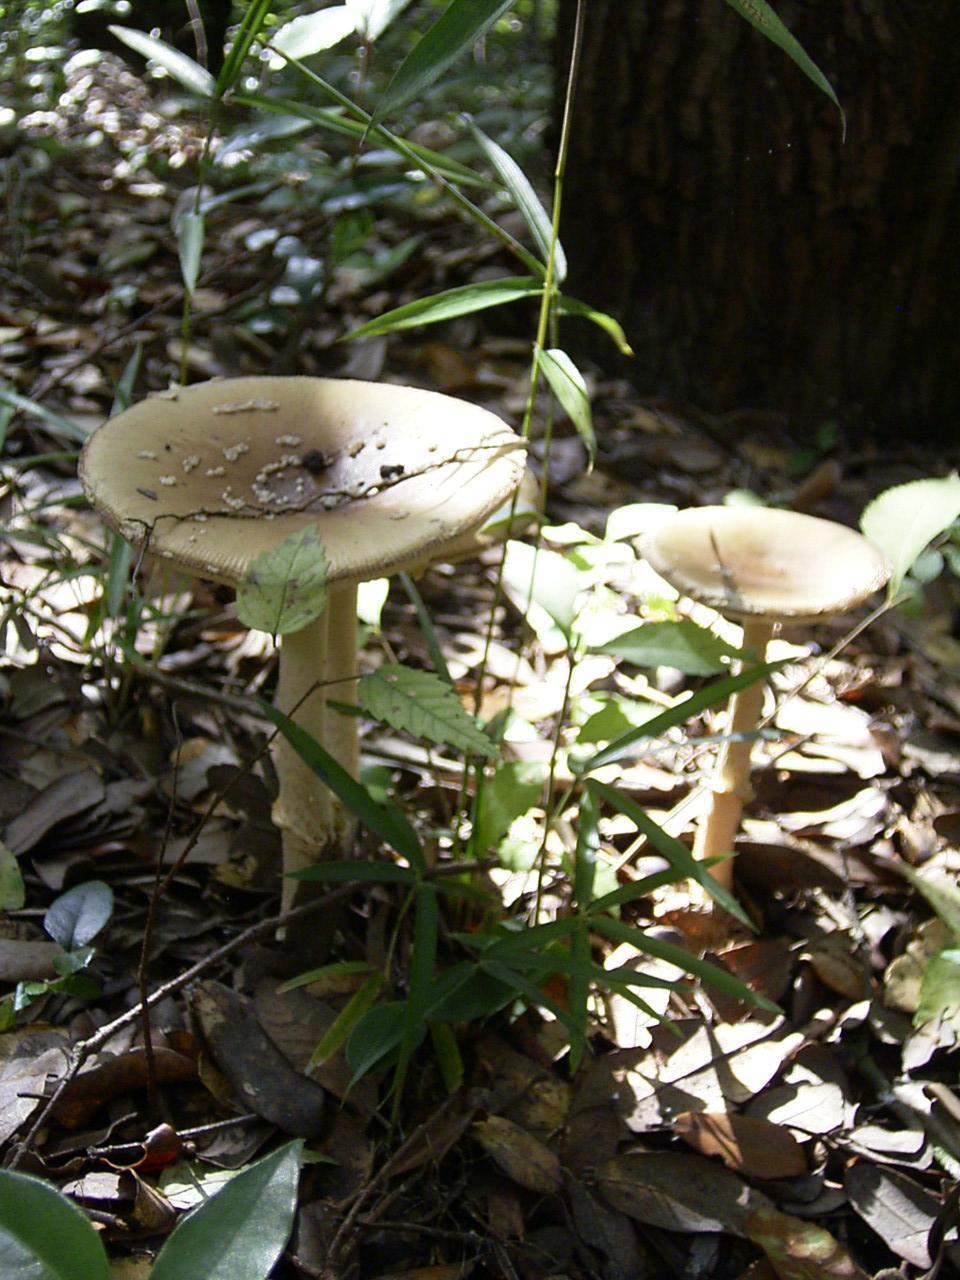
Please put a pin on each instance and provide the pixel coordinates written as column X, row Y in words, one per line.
column 211, row 476
column 757, row 566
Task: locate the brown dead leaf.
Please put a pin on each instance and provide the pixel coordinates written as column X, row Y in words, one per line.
column 898, row 1209
column 116, row 1074
column 678, row 1192
column 756, row 1148
column 799, row 1250
column 522, row 1157
column 67, row 796
column 23, row 961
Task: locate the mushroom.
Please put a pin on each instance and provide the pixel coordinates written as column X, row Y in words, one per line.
column 759, row 567
column 211, row 476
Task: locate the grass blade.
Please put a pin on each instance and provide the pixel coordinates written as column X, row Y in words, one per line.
column 461, row 301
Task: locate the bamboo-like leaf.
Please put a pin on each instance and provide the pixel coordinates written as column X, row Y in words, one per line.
column 568, row 306
column 312, row 33
column 353, row 871
column 760, row 15
column 683, row 959
column 423, row 956
column 185, row 70
column 376, row 1037
column 247, row 32
column 386, row 822
column 286, row 587
column 456, row 31
column 427, row 627
column 677, row 854
column 525, row 198
column 190, row 248
column 461, row 301
column 714, row 695
column 57, row 423
column 903, row 520
column 343, row 1026
column 447, row 1052
column 422, row 704
column 568, row 385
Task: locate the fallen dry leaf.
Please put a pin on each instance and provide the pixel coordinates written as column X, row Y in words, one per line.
column 756, row 1148
column 115, row 1074
column 677, row 1192
column 799, row 1250
column 898, row 1209
column 522, row 1157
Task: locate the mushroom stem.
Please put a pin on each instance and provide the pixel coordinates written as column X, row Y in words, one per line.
column 341, row 669
column 731, row 780
column 303, row 810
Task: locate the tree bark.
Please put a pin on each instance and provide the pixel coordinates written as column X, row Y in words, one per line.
column 755, row 257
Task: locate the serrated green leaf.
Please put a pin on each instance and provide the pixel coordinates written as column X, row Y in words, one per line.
column 759, row 14
column 77, row 916
column 12, row 891
column 43, row 1236
column 240, row 1232
column 424, row 705
column 525, row 198
column 568, row 385
column 285, row 588
column 190, row 248
column 311, row 33
column 691, row 649
column 176, row 64
column 456, row 31
column 903, row 520
column 462, row 301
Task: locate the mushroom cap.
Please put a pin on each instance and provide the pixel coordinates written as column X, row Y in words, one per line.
column 212, row 475
column 760, row 562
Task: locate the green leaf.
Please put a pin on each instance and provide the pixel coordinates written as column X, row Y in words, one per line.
column 525, row 198
column 568, row 385
column 573, row 307
column 422, row 704
column 313, row 32
column 447, row 1052
column 354, row 871
column 343, row 1026
column 585, row 856
column 340, row 968
column 544, row 578
column 77, row 916
column 904, row 519
column 183, row 69
column 43, row 1236
column 376, row 1037
column 57, row 423
column 426, row 626
column 943, row 895
column 677, row 854
column 940, row 990
column 247, row 32
column 12, row 891
column 285, row 588
column 423, row 957
column 691, row 649
column 461, row 301
column 240, row 1232
column 759, row 14
column 615, row 716
column 456, row 31
column 714, row 695
column 385, row 821
column 683, row 959
column 516, row 786
column 190, row 248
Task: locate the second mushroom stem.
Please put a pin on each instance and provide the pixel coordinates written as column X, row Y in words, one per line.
column 731, row 779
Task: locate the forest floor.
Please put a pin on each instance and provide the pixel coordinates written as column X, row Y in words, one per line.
column 822, row 1140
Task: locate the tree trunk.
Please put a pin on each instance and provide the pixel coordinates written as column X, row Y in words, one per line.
column 754, row 256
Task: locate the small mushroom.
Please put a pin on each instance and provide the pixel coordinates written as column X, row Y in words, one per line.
column 759, row 567
column 459, row 461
